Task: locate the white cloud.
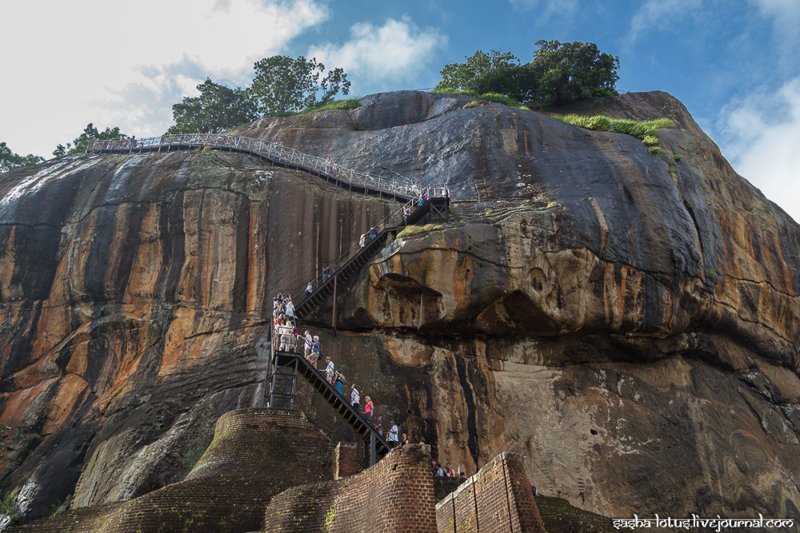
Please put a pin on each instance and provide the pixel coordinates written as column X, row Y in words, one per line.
column 125, row 63
column 377, row 55
column 761, row 134
column 785, row 15
column 659, row 14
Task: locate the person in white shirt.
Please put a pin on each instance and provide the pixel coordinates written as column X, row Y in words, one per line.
column 285, row 331
column 355, row 397
column 330, row 370
column 394, row 435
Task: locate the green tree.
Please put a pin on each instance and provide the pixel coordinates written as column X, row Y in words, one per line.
column 217, row 108
column 81, row 143
column 9, row 159
column 495, row 71
column 284, row 84
column 559, row 73
column 566, row 72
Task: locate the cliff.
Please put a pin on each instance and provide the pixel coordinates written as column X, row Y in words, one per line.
column 627, row 321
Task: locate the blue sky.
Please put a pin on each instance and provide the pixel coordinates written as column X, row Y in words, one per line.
column 733, row 63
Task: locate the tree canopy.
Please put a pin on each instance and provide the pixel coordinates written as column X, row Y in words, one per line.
column 283, row 84
column 559, row 73
column 565, row 72
column 216, row 109
column 9, row 159
column 495, row 71
column 81, row 142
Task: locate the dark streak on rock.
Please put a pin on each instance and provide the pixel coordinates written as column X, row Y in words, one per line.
column 472, row 432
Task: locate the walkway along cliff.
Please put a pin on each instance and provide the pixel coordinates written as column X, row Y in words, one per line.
column 627, row 323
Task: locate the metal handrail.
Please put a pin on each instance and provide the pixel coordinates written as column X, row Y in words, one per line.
column 400, row 186
column 392, row 221
column 405, row 190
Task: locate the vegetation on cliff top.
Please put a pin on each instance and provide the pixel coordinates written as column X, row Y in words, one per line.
column 283, row 84
column 81, row 142
column 10, row 159
column 348, row 103
column 646, row 130
column 216, row 109
column 560, row 73
column 490, row 97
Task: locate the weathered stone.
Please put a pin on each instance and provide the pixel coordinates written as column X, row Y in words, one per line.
column 628, row 322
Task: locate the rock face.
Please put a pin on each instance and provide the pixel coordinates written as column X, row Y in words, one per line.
column 255, row 455
column 134, row 292
column 627, row 321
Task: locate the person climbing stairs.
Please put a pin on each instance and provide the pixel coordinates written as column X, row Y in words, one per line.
column 286, row 367
column 413, row 211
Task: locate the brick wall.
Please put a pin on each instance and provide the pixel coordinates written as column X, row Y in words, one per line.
column 346, row 461
column 496, row 499
column 394, row 495
column 255, row 454
column 442, row 486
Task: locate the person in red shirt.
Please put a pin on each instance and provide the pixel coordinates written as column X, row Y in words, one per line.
column 369, row 408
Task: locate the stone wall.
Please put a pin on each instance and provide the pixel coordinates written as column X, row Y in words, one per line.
column 394, row 495
column 497, row 498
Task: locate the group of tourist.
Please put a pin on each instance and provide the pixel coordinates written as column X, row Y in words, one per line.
column 438, row 470
column 368, row 237
column 287, row 338
column 284, row 323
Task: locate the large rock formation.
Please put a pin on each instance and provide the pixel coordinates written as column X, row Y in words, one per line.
column 627, row 321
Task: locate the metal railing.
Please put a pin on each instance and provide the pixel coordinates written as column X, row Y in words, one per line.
column 394, row 220
column 398, row 187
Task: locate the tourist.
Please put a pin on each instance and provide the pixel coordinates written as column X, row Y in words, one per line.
column 379, row 425
column 290, row 308
column 404, row 440
column 309, row 289
column 329, row 368
column 339, row 382
column 434, row 467
column 308, row 344
column 362, row 242
column 285, row 332
column 534, row 490
column 394, row 435
column 449, row 470
column 292, row 332
column 326, row 273
column 315, row 351
column 369, row 409
column 440, row 471
column 372, row 234
column 355, row 397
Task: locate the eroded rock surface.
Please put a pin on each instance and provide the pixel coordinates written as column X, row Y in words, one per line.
column 627, row 321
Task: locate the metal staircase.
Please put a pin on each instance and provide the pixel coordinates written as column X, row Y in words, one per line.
column 286, row 367
column 397, row 187
column 283, row 367
column 352, row 265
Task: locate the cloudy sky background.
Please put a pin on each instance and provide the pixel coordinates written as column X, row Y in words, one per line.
column 734, row 63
